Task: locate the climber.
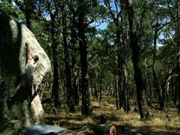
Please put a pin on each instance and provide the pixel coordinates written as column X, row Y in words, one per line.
column 28, row 76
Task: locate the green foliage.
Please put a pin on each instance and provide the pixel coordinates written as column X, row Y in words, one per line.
column 102, row 45
column 11, row 10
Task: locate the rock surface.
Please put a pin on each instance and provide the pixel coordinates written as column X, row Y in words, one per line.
column 13, row 59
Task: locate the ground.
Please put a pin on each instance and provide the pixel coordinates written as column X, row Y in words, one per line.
column 160, row 123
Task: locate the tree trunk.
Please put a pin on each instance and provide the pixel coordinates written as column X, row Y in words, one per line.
column 70, row 91
column 175, row 92
column 100, row 85
column 55, row 92
column 178, row 57
column 126, row 104
column 140, row 87
column 28, row 9
column 95, row 91
column 76, row 95
column 92, row 93
column 120, row 92
column 75, row 79
column 156, row 86
column 83, row 57
column 115, row 91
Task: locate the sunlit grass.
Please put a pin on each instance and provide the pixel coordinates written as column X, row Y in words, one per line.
column 167, row 121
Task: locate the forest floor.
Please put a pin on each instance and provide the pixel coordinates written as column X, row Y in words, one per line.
column 165, row 122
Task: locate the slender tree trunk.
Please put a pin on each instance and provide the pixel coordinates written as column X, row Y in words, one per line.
column 126, row 105
column 75, row 89
column 28, row 20
column 150, row 91
column 55, row 63
column 115, row 91
column 95, row 91
column 109, row 90
column 178, row 57
column 100, row 85
column 70, row 91
column 92, row 93
column 120, row 92
column 83, row 56
column 142, row 104
column 156, row 86
column 75, row 79
column 28, row 9
column 175, row 92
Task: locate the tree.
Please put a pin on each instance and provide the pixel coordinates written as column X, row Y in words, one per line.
column 65, row 25
column 27, row 7
column 86, row 13
column 134, row 44
column 178, row 45
column 158, row 27
column 53, row 15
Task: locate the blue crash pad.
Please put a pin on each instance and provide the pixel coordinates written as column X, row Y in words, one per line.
column 42, row 129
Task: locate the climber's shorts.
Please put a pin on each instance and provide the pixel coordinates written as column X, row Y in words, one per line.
column 26, row 80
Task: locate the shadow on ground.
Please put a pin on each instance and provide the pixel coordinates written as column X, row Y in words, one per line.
column 69, row 124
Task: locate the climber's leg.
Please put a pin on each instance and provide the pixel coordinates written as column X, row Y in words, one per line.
column 16, row 89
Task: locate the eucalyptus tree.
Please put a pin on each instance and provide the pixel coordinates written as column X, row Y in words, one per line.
column 134, row 36
column 48, row 12
column 162, row 11
column 177, row 37
column 52, row 8
column 85, row 13
column 109, row 40
column 117, row 13
column 65, row 20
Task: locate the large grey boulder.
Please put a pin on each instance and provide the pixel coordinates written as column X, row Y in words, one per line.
column 13, row 59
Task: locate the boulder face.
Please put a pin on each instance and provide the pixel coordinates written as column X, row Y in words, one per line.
column 13, row 58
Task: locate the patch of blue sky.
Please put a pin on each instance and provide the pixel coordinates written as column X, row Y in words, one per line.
column 46, row 15
column 160, row 37
column 102, row 26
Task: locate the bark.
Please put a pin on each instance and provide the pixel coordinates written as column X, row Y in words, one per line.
column 95, row 91
column 175, row 92
column 76, row 92
column 75, row 79
column 55, row 92
column 70, row 90
column 120, row 92
column 92, row 93
column 140, row 87
column 100, row 85
column 156, row 86
column 83, row 57
column 126, row 104
column 178, row 57
column 28, row 9
column 115, row 91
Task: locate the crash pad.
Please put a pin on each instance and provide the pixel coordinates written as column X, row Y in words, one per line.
column 42, row 129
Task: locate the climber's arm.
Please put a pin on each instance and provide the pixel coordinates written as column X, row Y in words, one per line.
column 28, row 52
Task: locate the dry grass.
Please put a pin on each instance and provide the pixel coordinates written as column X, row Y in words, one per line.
column 165, row 123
